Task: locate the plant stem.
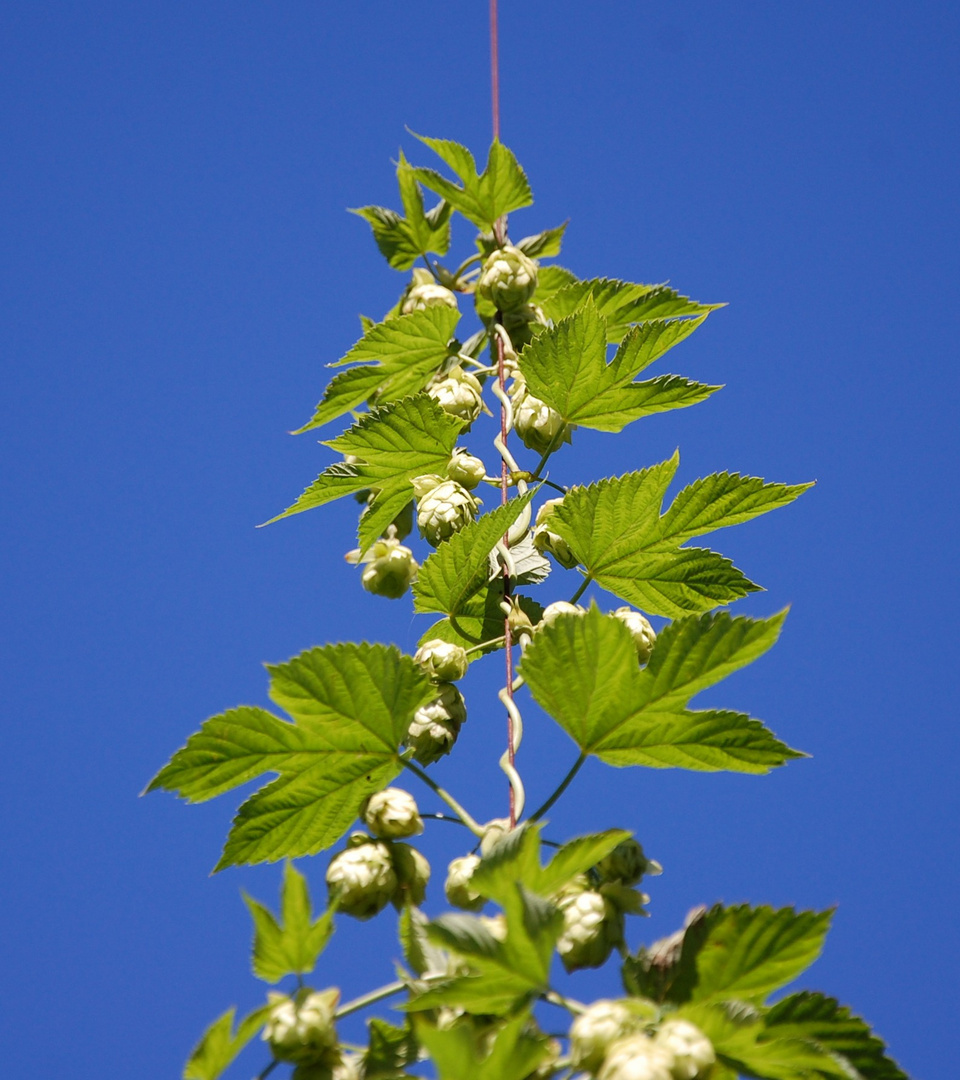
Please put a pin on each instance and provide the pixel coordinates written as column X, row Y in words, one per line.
column 264, row 1073
column 583, row 588
column 379, row 994
column 460, row 270
column 572, row 1006
column 561, row 788
column 462, row 814
column 436, row 276
column 492, row 643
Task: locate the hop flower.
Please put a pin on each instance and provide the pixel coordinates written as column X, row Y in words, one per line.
column 350, row 1068
column 547, row 542
column 493, row 832
column 457, row 886
column 426, row 295
column 442, row 660
column 390, row 569
column 627, row 864
column 413, row 875
column 392, row 814
column 593, row 1031
column 644, row 634
column 362, row 878
column 508, row 278
column 559, row 607
column 523, row 323
column 443, row 507
column 459, row 393
column 592, row 927
column 691, row 1050
column 637, row 1057
column 435, row 726
column 540, row 427
column 301, row 1029
column 466, row 469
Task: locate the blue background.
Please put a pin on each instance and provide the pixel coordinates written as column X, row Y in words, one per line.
column 176, row 270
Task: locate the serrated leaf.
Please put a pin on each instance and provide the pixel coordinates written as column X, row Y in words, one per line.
column 566, row 366
column 390, row 1051
column 402, row 240
column 622, row 303
column 827, row 1023
column 351, row 706
column 291, row 945
column 576, row 857
column 484, row 198
column 460, row 568
column 550, row 280
column 616, row 530
column 220, row 1044
column 543, row 245
column 398, row 358
column 420, row 953
column 394, row 443
column 463, row 1052
column 583, row 671
column 481, row 619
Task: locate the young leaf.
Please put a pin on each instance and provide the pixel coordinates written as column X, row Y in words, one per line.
column 583, row 671
column 615, row 529
column 399, row 357
column 460, row 568
column 830, row 1025
column 483, row 198
column 220, row 1044
column 351, row 705
column 292, row 945
column 622, row 303
column 465, row 1053
column 402, row 240
column 394, row 444
column 543, row 245
column 390, row 1051
column 566, row 367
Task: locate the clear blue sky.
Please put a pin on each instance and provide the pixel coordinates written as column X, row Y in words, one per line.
column 177, row 267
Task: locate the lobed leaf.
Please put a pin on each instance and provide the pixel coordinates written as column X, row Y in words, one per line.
column 220, row 1044
column 462, row 1052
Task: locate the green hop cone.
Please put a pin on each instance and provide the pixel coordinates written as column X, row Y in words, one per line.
column 442, row 660
column 524, row 323
column 466, row 469
column 508, row 278
column 443, row 507
column 644, row 635
column 592, row 926
column 593, row 1032
column 361, row 879
column 493, row 832
column 457, row 886
column 692, row 1051
column 626, row 864
column 553, row 611
column 413, row 875
column 392, row 814
column 540, row 428
column 435, row 726
column 458, row 393
column 390, row 568
column 547, row 542
column 426, row 295
column 637, row 1057
column 301, row 1029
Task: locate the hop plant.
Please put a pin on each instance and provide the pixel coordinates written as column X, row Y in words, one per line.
column 540, row 427
column 522, row 323
column 457, row 886
column 428, row 294
column 390, row 569
column 458, row 393
column 362, row 879
column 508, row 278
column 691, row 1050
column 413, row 875
column 637, row 1057
column 592, row 927
column 644, row 635
column 443, row 508
column 553, row 611
column 626, row 864
column 442, row 660
column 467, row 470
column 392, row 814
column 436, row 725
column 548, row 542
column 301, row 1029
column 596, row 1029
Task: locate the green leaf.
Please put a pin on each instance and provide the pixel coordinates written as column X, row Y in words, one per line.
column 543, row 245
column 483, row 198
column 352, row 705
column 420, row 953
column 583, row 671
column 399, row 357
column 394, row 443
column 827, row 1023
column 550, row 280
column 479, row 620
column 402, row 240
column 292, row 945
column 616, row 531
column 220, row 1044
column 390, row 1051
column 460, row 568
column 622, row 303
column 577, row 857
column 464, row 1052
column 566, row 366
